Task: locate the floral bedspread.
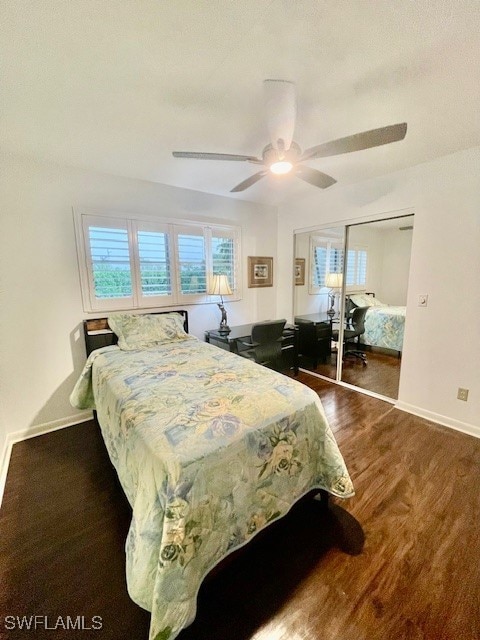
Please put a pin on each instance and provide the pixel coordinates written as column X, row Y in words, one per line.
column 384, row 327
column 210, row 448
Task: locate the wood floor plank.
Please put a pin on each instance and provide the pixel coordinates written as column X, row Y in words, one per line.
column 381, row 375
column 64, row 522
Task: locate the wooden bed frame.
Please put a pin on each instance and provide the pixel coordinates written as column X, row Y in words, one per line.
column 98, row 333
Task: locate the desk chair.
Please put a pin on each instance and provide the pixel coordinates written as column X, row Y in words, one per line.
column 358, row 328
column 265, row 345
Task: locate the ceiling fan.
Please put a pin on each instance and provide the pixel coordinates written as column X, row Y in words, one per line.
column 283, row 155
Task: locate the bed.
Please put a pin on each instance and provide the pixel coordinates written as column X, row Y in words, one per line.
column 209, row 448
column 384, row 324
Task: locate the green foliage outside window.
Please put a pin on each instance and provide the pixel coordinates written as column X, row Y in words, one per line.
column 223, row 249
column 112, row 281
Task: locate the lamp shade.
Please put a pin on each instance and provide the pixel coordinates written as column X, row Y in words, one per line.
column 219, row 286
column 334, row 280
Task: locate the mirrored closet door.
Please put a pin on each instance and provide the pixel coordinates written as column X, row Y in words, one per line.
column 317, row 297
column 350, row 301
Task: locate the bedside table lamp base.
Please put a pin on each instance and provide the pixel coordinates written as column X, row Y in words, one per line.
column 220, row 287
column 223, row 328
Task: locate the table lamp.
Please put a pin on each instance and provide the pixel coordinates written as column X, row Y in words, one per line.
column 219, row 286
column 334, row 281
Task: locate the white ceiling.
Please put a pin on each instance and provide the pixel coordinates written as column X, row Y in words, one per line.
column 117, row 85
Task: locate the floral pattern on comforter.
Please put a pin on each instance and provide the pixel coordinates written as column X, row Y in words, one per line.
column 384, row 327
column 209, row 448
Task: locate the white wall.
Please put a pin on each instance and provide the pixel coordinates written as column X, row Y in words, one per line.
column 397, row 247
column 371, row 238
column 388, row 260
column 442, row 341
column 42, row 349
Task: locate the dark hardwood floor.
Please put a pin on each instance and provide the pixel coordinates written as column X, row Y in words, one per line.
column 381, row 375
column 64, row 520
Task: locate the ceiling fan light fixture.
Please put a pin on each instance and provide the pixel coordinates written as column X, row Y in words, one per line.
column 281, row 167
column 283, row 155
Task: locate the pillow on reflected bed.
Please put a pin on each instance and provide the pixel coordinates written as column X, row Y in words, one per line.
column 362, row 300
column 146, row 331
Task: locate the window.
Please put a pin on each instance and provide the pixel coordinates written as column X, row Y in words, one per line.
column 110, row 262
column 130, row 263
column 356, row 267
column 192, row 262
column 223, row 256
column 154, row 260
column 326, row 257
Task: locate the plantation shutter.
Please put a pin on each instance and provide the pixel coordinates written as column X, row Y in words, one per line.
column 134, row 263
column 335, row 260
column 351, row 267
column 191, row 263
column 357, row 267
column 326, row 256
column 108, row 263
column 320, row 261
column 362, row 268
column 153, row 251
column 223, row 252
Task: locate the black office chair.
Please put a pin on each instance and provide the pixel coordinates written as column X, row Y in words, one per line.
column 357, row 322
column 265, row 345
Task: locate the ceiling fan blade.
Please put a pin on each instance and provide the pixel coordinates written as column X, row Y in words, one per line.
column 312, row 176
column 214, row 156
column 248, row 182
column 357, row 142
column 280, row 112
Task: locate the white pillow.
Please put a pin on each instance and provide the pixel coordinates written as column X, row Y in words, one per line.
column 362, row 300
column 375, row 302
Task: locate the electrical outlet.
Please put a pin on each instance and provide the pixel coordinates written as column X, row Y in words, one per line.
column 462, row 394
column 422, row 300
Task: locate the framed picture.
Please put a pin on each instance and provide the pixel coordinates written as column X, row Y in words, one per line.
column 299, row 271
column 260, row 271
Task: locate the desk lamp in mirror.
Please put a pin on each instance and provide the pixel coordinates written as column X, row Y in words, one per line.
column 334, row 281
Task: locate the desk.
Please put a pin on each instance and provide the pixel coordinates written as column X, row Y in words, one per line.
column 243, row 332
column 314, row 336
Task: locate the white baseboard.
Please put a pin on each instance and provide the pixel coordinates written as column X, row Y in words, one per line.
column 31, row 432
column 464, row 427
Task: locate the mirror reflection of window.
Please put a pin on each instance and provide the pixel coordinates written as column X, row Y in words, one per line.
column 326, row 256
column 323, row 253
column 356, row 267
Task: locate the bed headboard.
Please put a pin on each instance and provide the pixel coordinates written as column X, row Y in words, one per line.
column 98, row 333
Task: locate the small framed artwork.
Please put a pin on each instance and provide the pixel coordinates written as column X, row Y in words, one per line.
column 260, row 271
column 299, row 271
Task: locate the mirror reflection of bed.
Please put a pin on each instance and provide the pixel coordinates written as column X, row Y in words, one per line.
column 377, row 266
